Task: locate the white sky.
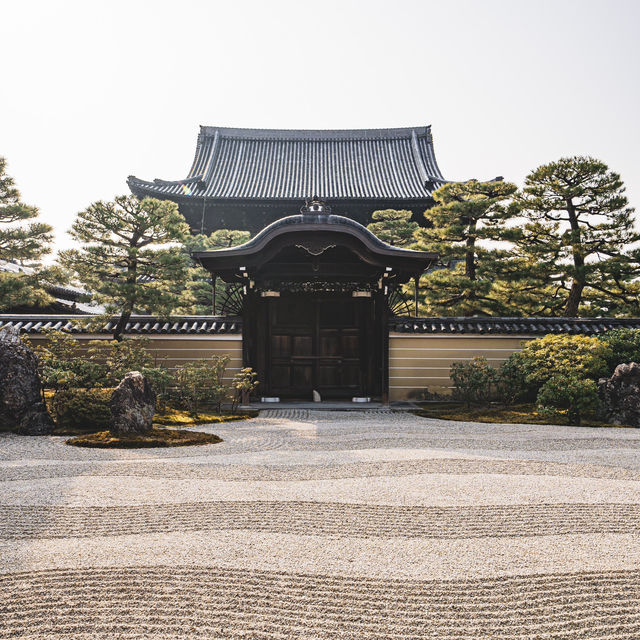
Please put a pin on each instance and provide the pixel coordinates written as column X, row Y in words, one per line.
column 94, row 91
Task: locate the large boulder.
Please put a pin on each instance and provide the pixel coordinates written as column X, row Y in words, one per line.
column 21, row 405
column 620, row 395
column 132, row 404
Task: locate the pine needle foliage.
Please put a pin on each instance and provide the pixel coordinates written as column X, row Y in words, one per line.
column 21, row 242
column 393, row 226
column 468, row 229
column 131, row 257
column 578, row 249
column 201, row 280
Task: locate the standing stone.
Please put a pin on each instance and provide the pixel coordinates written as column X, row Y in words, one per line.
column 132, row 404
column 620, row 395
column 21, row 405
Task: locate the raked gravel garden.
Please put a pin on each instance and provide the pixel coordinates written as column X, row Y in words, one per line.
column 318, row 524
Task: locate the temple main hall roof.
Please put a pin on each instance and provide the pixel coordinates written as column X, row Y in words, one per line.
column 282, row 164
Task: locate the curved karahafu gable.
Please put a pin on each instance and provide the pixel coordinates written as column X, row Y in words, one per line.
column 316, row 245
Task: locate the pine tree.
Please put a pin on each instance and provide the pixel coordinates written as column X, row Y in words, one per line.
column 201, row 279
column 468, row 228
column 23, row 244
column 131, row 259
column 394, row 227
column 577, row 247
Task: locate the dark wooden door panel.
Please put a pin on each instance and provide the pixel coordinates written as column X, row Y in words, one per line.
column 317, row 342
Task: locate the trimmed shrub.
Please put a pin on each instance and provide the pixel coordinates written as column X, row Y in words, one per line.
column 472, row 380
column 511, row 381
column 624, row 345
column 117, row 358
column 199, row 383
column 160, row 380
column 86, row 409
column 563, row 356
column 244, row 383
column 63, row 365
column 568, row 396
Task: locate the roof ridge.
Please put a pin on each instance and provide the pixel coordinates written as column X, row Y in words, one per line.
column 247, row 133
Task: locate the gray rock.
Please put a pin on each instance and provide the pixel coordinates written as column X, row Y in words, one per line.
column 21, row 405
column 132, row 404
column 620, row 395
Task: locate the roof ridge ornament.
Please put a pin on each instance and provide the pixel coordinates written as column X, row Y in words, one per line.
column 315, row 206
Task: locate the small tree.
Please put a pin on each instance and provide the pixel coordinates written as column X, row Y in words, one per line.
column 510, row 382
column 200, row 382
column 579, row 237
column 129, row 259
column 21, row 243
column 472, row 380
column 394, row 227
column 464, row 227
column 244, row 383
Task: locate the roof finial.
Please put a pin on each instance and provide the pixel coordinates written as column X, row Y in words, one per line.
column 316, row 205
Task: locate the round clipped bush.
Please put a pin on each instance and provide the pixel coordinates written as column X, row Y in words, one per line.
column 564, row 356
column 624, row 345
column 85, row 409
column 472, row 380
column 568, row 396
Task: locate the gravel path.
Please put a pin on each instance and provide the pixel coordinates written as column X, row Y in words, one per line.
column 310, row 524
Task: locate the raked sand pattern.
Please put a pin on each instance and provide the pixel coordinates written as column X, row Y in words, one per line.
column 311, row 524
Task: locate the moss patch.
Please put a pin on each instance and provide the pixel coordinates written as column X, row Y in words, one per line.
column 154, row 438
column 518, row 414
column 170, row 417
column 178, row 418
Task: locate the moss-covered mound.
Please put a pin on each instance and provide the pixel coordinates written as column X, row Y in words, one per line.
column 172, row 417
column 518, row 414
column 154, row 438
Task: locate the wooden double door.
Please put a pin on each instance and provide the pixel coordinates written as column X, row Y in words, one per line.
column 317, row 342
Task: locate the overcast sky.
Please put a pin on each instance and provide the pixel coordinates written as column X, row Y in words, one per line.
column 94, row 91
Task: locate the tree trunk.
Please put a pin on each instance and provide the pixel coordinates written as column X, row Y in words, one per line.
column 470, row 257
column 132, row 278
column 579, row 282
column 118, row 332
column 573, row 301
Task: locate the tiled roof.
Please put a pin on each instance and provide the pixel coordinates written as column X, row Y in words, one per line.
column 281, row 164
column 67, row 297
column 138, row 324
column 233, row 325
column 515, row 326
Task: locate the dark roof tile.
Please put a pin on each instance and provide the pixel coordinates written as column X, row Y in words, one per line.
column 514, row 326
column 272, row 164
column 137, row 325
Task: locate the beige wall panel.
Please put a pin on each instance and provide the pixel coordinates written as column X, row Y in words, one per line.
column 441, row 360
column 419, row 362
column 172, row 351
column 426, row 341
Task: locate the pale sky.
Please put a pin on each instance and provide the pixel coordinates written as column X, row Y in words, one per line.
column 94, row 91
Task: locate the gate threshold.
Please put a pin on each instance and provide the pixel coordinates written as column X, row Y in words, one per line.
column 330, row 405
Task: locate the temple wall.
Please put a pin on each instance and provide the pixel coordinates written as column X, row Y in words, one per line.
column 416, row 361
column 173, row 350
column 422, row 361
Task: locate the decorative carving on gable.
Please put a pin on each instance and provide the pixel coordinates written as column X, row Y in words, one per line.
column 315, row 247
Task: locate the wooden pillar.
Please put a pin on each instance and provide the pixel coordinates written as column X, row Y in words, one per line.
column 382, row 334
column 213, row 294
column 415, row 295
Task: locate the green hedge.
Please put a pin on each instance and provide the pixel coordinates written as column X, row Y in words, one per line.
column 81, row 408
